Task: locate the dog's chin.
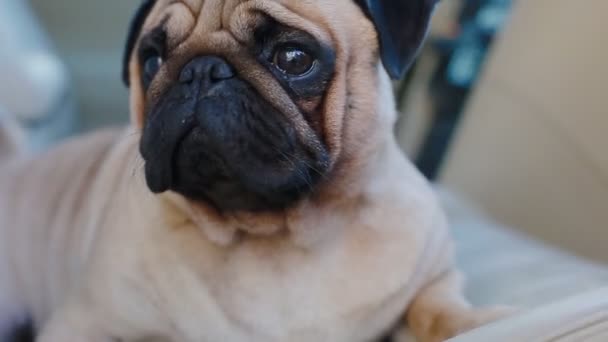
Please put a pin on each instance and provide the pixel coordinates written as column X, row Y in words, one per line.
column 233, row 179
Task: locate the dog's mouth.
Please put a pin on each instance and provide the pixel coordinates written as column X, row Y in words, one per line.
column 248, row 177
column 230, row 148
column 234, row 178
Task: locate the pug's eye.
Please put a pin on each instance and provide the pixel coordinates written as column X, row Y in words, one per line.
column 293, row 61
column 152, row 65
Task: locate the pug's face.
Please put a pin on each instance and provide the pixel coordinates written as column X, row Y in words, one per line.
column 249, row 105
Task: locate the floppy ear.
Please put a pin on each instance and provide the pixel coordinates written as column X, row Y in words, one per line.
column 135, row 28
column 402, row 26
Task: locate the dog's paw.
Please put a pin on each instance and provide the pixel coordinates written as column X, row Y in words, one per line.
column 401, row 334
column 448, row 325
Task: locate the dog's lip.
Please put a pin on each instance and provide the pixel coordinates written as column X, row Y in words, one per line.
column 160, row 170
column 179, row 141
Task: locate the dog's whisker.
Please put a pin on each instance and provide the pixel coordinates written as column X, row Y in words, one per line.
column 307, row 164
column 298, row 170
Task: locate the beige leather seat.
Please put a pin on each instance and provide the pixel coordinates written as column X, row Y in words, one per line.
column 532, row 153
column 532, row 149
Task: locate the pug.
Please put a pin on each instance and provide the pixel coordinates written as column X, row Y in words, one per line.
column 258, row 195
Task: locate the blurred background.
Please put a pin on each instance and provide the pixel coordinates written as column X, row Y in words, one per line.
column 506, row 105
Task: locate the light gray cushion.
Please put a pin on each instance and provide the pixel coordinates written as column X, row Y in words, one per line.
column 582, row 318
column 504, row 267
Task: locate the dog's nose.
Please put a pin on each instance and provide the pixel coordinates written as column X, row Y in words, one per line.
column 209, row 68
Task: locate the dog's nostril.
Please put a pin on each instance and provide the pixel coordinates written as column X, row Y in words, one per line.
column 187, row 75
column 221, row 71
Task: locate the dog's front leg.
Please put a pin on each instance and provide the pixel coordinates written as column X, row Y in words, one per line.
column 440, row 311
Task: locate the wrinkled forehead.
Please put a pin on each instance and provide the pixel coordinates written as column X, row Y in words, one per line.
column 196, row 20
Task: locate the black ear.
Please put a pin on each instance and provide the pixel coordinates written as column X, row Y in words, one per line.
column 402, row 26
column 135, row 28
